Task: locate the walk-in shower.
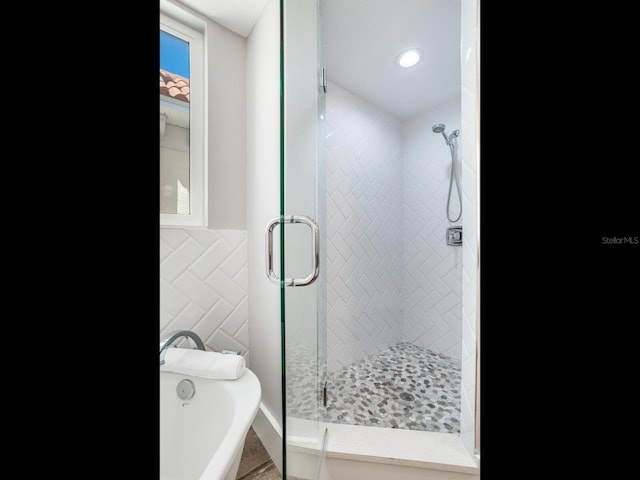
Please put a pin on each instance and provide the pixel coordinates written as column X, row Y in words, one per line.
column 385, row 316
column 393, row 284
column 394, row 291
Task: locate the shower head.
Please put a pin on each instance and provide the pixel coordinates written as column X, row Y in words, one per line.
column 439, row 128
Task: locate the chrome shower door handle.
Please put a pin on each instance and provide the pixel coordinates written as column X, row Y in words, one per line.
column 293, row 282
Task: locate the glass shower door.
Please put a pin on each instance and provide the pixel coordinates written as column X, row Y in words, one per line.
column 302, row 230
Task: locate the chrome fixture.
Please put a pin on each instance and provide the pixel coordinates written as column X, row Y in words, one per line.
column 186, row 389
column 195, row 342
column 439, row 128
column 407, row 397
column 315, row 250
column 454, row 236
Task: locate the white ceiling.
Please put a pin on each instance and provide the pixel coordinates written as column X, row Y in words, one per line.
column 239, row 16
column 360, row 40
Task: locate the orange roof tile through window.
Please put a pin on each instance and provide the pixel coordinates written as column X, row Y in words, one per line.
column 174, row 86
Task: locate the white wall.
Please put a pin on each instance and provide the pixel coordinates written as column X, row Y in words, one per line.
column 204, row 286
column 432, row 269
column 390, row 274
column 226, row 127
column 364, row 228
column 263, row 183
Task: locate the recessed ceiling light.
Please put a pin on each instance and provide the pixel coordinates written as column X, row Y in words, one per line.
column 409, row 58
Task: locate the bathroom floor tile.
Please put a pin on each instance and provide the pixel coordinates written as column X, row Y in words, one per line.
column 253, row 455
column 268, row 471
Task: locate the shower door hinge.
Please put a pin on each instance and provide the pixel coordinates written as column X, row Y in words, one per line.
column 324, row 395
column 323, row 80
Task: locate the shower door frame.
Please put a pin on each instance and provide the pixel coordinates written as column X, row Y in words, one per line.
column 303, row 321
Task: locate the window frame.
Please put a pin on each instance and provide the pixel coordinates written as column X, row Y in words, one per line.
column 198, row 171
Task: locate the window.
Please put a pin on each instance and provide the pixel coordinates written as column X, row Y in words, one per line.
column 183, row 169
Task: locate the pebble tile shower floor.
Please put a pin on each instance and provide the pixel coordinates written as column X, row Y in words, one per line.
column 405, row 386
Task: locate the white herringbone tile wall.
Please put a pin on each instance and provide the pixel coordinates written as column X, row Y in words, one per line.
column 390, row 274
column 432, row 269
column 364, row 228
column 204, row 286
